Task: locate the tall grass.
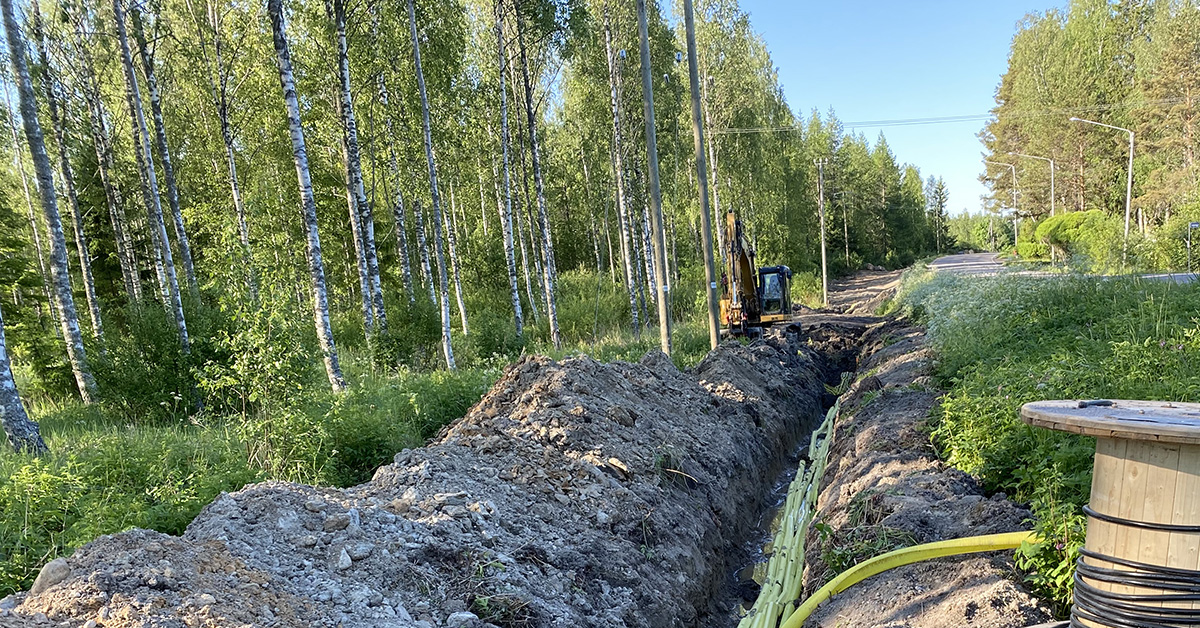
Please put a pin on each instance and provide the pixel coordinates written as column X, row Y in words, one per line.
column 1004, row 341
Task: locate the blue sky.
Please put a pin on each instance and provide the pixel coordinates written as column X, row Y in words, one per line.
column 875, row 60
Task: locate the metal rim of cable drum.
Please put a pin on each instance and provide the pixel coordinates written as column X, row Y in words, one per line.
column 1145, row 450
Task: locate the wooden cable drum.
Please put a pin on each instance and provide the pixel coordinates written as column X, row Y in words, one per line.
column 1140, row 566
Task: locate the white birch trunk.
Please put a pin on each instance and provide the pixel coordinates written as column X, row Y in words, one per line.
column 443, row 281
column 164, row 152
column 59, row 272
column 354, row 170
column 22, row 433
column 462, row 310
column 149, row 180
column 619, row 179
column 218, row 82
column 360, row 253
column 316, row 268
column 398, row 213
column 64, row 164
column 126, row 256
column 549, row 274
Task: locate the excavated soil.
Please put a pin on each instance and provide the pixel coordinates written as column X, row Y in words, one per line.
column 574, row 494
column 884, row 481
column 578, row 493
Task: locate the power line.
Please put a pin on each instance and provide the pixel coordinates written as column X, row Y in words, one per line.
column 1043, row 113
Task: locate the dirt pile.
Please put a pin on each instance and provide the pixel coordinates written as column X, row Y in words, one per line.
column 885, row 488
column 574, row 494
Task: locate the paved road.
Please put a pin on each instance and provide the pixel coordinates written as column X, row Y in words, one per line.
column 990, row 264
column 969, row 264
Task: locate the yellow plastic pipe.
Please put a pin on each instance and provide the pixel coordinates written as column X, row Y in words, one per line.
column 906, row 556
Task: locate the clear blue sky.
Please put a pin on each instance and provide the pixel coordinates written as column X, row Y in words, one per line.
column 899, row 59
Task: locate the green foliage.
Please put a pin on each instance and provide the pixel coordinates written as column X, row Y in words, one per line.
column 1090, row 240
column 1005, row 341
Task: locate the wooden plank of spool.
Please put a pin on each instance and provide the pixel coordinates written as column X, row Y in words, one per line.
column 1106, row 484
column 1182, row 549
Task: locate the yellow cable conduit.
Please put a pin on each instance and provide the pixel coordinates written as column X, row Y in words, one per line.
column 781, row 587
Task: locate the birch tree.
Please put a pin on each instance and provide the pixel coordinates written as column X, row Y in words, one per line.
column 217, row 76
column 23, row 434
column 506, row 221
column 59, row 273
column 354, row 173
column 164, row 152
column 451, row 240
column 308, row 205
column 64, row 166
column 126, row 255
column 169, row 281
column 549, row 277
column 398, row 213
column 433, row 189
column 618, row 167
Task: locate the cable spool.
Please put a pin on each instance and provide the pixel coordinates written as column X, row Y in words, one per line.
column 1140, row 567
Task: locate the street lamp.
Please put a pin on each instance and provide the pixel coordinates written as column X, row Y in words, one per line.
column 1128, row 182
column 1016, row 233
column 1049, row 161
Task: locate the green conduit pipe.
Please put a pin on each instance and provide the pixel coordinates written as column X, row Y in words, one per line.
column 906, row 556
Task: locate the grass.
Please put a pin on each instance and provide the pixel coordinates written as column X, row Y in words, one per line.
column 1004, row 341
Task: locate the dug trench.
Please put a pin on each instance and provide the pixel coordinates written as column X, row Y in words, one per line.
column 575, row 493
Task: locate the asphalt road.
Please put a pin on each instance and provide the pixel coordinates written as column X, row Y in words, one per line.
column 990, row 264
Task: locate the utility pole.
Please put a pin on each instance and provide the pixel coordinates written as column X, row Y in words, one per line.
column 660, row 253
column 689, row 21
column 1014, row 194
column 820, row 163
column 1128, row 183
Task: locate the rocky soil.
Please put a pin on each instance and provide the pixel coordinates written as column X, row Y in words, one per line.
column 574, row 494
column 885, row 487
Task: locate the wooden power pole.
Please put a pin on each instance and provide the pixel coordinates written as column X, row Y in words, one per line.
column 664, row 319
column 710, row 276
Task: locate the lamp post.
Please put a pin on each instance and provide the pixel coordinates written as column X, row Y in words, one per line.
column 1049, row 161
column 1128, row 182
column 1014, row 194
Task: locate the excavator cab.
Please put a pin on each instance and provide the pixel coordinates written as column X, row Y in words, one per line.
column 775, row 288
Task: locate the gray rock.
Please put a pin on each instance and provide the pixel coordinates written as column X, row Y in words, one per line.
column 463, row 619
column 360, row 551
column 52, row 573
column 339, row 521
column 91, row 623
column 344, row 561
column 205, row 599
column 9, row 602
column 314, row 505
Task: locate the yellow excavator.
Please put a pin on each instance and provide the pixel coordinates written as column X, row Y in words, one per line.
column 753, row 298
